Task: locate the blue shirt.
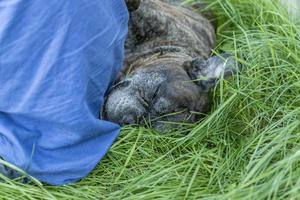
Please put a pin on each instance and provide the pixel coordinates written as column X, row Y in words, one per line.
column 57, row 60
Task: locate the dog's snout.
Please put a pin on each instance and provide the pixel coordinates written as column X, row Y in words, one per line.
column 128, row 119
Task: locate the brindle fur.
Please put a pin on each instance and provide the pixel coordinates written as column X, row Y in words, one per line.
column 158, row 27
column 168, row 45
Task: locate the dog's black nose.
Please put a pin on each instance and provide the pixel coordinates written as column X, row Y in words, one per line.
column 128, row 119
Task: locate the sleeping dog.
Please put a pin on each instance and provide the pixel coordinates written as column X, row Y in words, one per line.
column 168, row 72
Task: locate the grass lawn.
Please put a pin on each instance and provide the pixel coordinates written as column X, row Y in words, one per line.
column 248, row 147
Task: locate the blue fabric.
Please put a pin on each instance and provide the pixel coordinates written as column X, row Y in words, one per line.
column 57, row 60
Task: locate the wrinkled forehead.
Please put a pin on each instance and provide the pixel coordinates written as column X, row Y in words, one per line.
column 147, row 78
column 169, row 83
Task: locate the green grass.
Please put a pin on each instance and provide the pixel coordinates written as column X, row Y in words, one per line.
column 248, row 147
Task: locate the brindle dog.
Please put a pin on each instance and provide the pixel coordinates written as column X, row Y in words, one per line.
column 168, row 68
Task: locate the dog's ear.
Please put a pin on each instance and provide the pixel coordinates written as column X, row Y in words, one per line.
column 206, row 73
column 133, row 5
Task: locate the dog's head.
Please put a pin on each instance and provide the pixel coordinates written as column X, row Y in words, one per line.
column 166, row 90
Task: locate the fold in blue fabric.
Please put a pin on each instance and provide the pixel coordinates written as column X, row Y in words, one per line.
column 57, row 60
